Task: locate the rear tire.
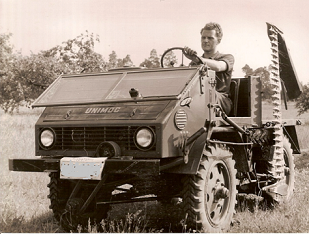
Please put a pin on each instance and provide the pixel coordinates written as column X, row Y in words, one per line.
column 289, row 174
column 210, row 196
column 288, row 179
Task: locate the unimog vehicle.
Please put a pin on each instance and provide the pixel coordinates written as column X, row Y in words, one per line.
column 134, row 134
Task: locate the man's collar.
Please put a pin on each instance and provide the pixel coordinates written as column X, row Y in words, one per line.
column 212, row 57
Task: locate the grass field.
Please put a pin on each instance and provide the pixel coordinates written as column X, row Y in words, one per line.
column 24, row 206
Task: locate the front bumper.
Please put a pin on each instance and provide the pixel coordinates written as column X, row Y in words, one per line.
column 112, row 166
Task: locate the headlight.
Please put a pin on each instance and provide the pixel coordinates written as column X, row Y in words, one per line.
column 144, row 138
column 47, row 138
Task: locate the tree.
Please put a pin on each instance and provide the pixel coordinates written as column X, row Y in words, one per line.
column 264, row 73
column 115, row 62
column 170, row 60
column 6, row 54
column 247, row 70
column 153, row 61
column 127, row 62
column 77, row 55
column 10, row 97
column 112, row 61
column 34, row 74
column 302, row 102
column 23, row 79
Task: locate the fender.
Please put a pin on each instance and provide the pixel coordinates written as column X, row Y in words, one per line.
column 239, row 151
column 195, row 155
column 197, row 150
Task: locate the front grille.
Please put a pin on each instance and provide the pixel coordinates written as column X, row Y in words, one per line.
column 88, row 138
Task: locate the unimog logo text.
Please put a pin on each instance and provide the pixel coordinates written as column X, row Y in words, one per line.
column 103, row 110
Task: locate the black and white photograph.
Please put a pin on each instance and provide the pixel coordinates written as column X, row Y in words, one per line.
column 157, row 116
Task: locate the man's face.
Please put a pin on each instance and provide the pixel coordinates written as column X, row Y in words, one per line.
column 209, row 40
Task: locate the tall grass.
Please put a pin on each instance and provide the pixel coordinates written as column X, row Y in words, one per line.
column 292, row 216
column 24, row 206
column 23, row 196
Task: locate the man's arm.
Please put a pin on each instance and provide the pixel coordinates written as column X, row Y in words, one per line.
column 217, row 66
column 214, row 65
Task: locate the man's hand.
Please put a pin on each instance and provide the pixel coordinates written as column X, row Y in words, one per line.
column 191, row 54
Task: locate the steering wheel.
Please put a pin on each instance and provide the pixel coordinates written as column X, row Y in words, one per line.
column 168, row 59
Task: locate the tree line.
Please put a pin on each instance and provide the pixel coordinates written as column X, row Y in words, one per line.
column 24, row 78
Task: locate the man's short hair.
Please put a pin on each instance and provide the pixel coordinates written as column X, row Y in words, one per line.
column 214, row 26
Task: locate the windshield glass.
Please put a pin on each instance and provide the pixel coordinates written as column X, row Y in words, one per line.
column 160, row 83
column 79, row 89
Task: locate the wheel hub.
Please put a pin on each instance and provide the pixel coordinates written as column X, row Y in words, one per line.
column 216, row 192
column 220, row 192
column 74, row 205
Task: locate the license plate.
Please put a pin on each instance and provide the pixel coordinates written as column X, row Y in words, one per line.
column 82, row 168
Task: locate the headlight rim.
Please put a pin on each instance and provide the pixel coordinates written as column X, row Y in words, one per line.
column 150, row 146
column 40, row 138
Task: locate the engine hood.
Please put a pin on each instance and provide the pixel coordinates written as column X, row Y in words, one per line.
column 116, row 111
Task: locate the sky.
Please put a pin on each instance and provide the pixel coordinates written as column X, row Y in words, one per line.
column 135, row 27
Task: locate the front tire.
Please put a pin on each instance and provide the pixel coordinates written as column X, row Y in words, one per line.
column 59, row 192
column 66, row 211
column 210, row 195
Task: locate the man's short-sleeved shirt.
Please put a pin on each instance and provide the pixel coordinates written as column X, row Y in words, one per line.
column 224, row 78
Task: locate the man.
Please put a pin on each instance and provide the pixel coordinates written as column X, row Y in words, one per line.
column 222, row 64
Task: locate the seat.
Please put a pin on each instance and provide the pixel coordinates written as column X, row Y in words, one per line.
column 234, row 89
